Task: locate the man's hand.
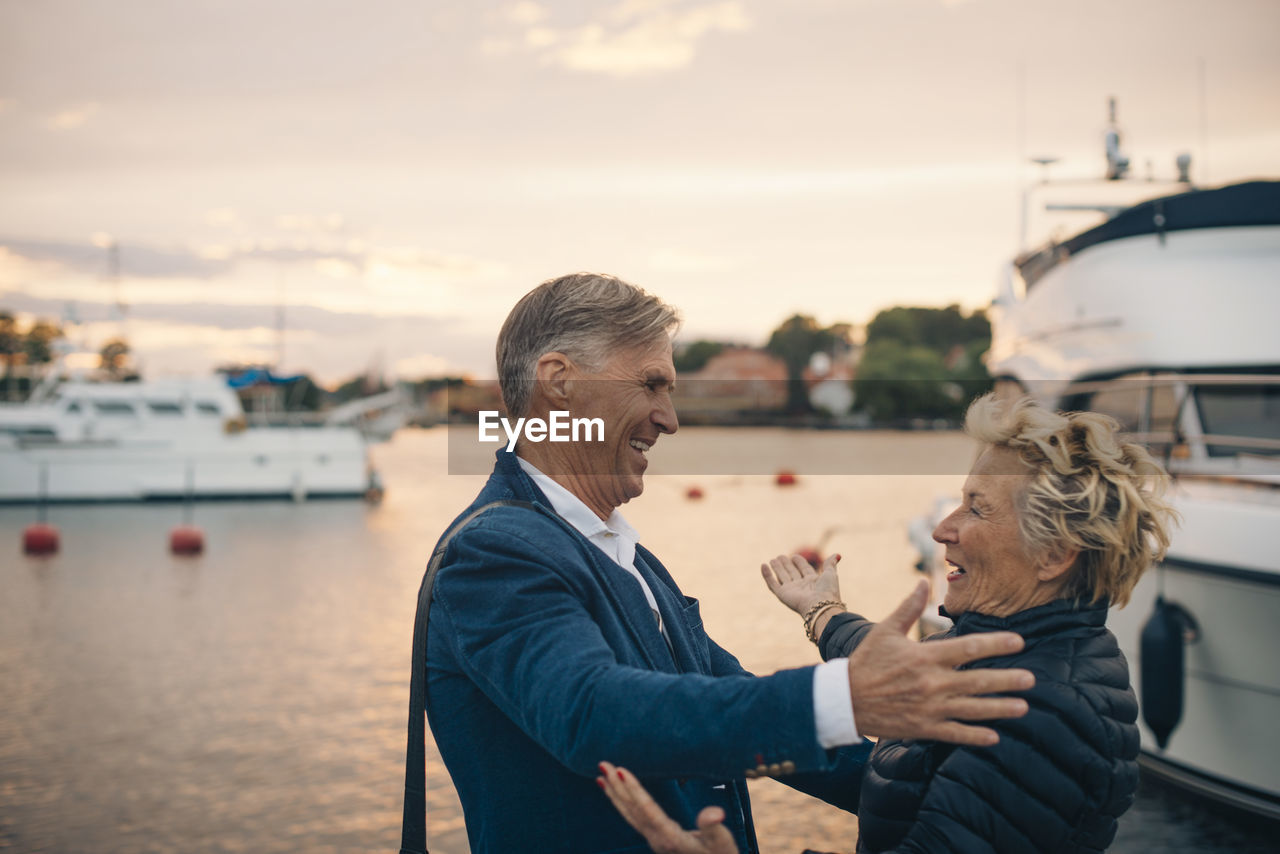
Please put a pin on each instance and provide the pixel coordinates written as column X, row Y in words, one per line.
column 798, row 585
column 657, row 828
column 904, row 689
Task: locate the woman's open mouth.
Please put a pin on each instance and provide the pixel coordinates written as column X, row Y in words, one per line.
column 956, row 572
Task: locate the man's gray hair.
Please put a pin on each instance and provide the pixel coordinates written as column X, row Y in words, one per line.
column 586, row 316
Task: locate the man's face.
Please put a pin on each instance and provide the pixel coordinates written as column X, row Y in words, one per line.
column 632, row 394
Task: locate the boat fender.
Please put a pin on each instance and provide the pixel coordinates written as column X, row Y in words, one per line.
column 1163, row 663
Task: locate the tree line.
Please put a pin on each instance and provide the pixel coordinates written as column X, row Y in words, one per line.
column 916, row 363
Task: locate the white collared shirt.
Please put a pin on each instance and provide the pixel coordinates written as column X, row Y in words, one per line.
column 613, row 536
column 832, row 711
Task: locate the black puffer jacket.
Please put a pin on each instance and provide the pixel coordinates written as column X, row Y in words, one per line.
column 1058, row 779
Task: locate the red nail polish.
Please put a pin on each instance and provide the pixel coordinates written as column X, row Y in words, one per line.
column 600, row 765
column 600, row 782
column 620, row 777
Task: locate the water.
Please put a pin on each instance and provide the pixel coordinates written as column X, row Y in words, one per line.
column 253, row 699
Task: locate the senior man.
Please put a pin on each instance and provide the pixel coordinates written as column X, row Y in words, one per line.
column 557, row 641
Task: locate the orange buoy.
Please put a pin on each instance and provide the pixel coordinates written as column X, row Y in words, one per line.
column 693, row 493
column 785, row 478
column 186, row 540
column 40, row 539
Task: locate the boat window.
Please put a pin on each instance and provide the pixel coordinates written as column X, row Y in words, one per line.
column 73, row 408
column 205, row 407
column 1243, row 412
column 1122, row 401
column 29, row 433
column 1162, row 419
column 1164, row 407
column 113, row 407
column 164, row 407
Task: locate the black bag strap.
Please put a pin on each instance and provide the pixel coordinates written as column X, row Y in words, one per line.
column 413, row 832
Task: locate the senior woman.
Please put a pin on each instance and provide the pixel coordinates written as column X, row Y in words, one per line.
column 1058, row 519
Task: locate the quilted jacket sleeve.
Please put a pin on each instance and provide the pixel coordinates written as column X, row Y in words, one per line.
column 1053, row 783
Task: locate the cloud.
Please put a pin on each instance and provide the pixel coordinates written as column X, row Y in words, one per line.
column 72, row 117
column 141, row 261
column 524, row 13
column 346, row 259
column 310, row 222
column 421, row 365
column 346, row 291
column 193, row 338
column 634, row 37
column 223, row 218
column 684, row 261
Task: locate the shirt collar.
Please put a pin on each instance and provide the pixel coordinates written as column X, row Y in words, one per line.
column 574, row 511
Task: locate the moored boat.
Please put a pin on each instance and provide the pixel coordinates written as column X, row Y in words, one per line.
column 1165, row 317
column 80, row 441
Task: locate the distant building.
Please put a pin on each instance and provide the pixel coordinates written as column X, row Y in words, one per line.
column 737, row 379
column 830, row 384
column 465, row 400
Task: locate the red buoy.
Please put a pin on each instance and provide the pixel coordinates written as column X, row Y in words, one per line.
column 785, row 478
column 813, row 556
column 186, row 540
column 40, row 539
column 693, row 493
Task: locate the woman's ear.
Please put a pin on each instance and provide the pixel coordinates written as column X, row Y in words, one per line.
column 1056, row 562
column 552, row 373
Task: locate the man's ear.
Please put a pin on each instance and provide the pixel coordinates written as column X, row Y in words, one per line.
column 552, row 373
column 1054, row 564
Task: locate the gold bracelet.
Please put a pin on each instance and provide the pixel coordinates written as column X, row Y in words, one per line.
column 811, row 616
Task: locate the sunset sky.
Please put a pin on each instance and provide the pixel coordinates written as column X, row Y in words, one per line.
column 396, row 173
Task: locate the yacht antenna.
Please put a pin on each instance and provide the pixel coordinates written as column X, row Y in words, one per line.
column 1117, row 160
column 280, row 318
column 119, row 308
column 1203, row 85
column 1044, row 163
column 1020, row 110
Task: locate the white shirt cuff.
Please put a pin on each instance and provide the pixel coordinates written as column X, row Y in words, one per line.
column 832, row 705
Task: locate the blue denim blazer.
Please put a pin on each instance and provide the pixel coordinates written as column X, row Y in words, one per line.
column 544, row 658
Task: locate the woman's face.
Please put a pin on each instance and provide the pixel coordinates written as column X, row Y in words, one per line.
column 991, row 571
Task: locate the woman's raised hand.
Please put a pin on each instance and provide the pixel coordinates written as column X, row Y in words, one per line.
column 657, row 828
column 798, row 585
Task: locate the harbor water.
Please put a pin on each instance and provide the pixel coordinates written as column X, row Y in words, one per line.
column 253, row 699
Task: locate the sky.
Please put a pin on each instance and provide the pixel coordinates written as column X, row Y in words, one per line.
column 339, row 186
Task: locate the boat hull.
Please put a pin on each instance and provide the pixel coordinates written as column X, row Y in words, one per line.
column 1165, row 318
column 295, row 463
column 1224, row 742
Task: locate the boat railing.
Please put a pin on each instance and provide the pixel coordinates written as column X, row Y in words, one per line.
column 1173, row 379
column 1191, row 422
column 285, row 419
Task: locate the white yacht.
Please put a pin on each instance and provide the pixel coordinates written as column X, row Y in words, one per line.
column 76, row 440
column 1167, row 317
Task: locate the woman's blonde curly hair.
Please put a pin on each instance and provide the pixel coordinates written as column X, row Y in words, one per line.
column 1090, row 491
